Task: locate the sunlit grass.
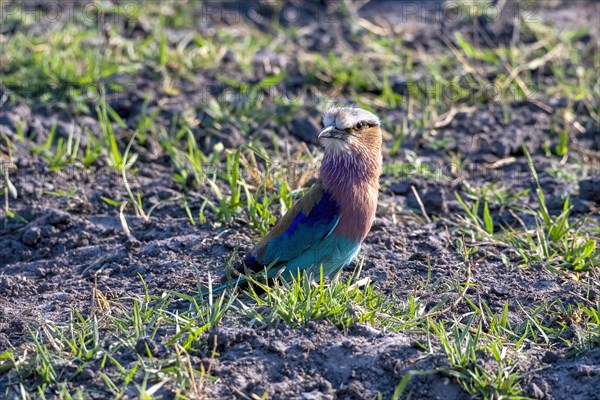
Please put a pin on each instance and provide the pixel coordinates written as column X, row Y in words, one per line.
column 160, row 337
column 343, row 303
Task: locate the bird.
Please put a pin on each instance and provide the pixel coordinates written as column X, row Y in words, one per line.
column 326, row 227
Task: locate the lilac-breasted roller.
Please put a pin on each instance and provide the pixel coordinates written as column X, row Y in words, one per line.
column 328, row 224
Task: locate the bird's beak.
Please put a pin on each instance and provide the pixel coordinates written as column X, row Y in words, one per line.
column 326, row 132
column 331, row 132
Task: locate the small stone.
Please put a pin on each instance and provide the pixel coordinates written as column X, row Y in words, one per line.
column 402, row 187
column 538, row 267
column 59, row 217
column 434, row 201
column 231, row 136
column 18, row 115
column 133, row 245
column 305, row 128
column 400, row 84
column 389, row 244
column 501, row 290
column 87, row 374
column 277, row 347
column 592, row 295
column 229, row 57
column 589, row 189
column 326, row 387
column 550, row 357
column 146, row 344
column 366, row 330
column 269, row 63
column 31, row 236
column 312, row 395
column 174, row 245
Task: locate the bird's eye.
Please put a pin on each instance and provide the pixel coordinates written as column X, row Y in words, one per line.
column 361, row 125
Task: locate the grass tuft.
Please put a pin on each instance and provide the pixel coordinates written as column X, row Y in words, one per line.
column 303, row 300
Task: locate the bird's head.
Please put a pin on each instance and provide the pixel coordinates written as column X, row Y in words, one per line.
column 349, row 130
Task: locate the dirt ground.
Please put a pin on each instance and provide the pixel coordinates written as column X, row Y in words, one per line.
column 50, row 264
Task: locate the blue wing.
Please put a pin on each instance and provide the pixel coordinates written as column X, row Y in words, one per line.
column 305, row 226
column 307, row 223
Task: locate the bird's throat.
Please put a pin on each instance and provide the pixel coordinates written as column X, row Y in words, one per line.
column 350, row 169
